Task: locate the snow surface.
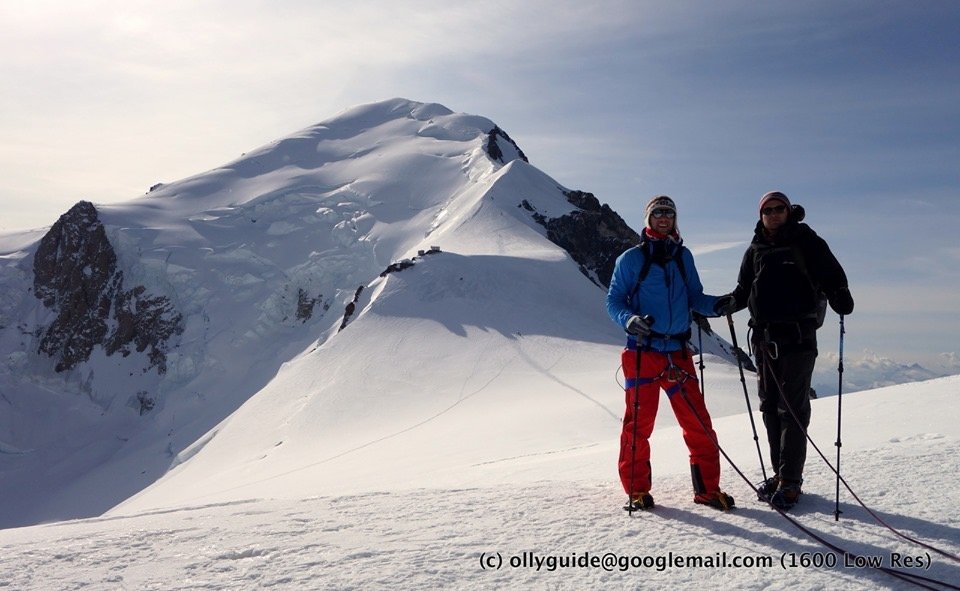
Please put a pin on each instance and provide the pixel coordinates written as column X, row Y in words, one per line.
column 469, row 408
column 563, row 502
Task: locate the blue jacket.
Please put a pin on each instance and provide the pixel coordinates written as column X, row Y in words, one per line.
column 665, row 293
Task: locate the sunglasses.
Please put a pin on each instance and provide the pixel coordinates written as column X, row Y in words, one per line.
column 773, row 210
column 663, row 213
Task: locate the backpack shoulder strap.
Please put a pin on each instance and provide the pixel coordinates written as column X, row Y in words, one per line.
column 644, row 268
column 680, row 264
column 648, row 260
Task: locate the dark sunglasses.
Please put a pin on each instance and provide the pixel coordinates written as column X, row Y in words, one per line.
column 773, row 210
column 663, row 213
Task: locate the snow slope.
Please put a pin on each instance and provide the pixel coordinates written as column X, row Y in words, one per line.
column 261, row 256
column 541, row 509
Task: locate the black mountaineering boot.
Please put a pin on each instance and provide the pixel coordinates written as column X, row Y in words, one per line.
column 766, row 488
column 639, row 502
column 787, row 495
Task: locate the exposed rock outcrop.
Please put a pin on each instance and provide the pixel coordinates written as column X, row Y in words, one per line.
column 396, row 267
column 494, row 150
column 76, row 276
column 306, row 305
column 594, row 234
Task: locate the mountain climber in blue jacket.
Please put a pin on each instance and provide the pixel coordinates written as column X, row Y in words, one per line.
column 653, row 290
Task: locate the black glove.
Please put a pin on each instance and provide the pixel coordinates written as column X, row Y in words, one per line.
column 841, row 301
column 726, row 305
column 639, row 326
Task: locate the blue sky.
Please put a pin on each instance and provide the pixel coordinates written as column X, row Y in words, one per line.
column 851, row 108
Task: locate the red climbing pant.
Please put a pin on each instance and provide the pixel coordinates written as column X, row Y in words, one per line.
column 674, row 373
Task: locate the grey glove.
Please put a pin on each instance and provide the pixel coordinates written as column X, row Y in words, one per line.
column 639, row 326
column 726, row 305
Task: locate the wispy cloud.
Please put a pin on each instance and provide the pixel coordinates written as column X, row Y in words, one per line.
column 719, row 247
column 851, row 110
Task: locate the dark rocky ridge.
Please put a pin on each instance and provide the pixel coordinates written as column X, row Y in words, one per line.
column 76, row 276
column 493, row 147
column 594, row 234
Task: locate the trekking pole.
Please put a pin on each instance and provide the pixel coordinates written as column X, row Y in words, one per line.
column 703, row 388
column 743, row 380
column 636, row 417
column 633, row 440
column 837, row 511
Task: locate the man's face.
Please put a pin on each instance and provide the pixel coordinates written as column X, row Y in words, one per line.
column 662, row 220
column 774, row 214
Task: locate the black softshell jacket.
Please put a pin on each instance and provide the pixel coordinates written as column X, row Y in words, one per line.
column 781, row 279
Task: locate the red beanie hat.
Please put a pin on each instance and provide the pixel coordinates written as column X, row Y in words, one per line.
column 774, row 195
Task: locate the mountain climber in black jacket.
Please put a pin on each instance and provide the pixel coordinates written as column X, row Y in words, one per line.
column 787, row 277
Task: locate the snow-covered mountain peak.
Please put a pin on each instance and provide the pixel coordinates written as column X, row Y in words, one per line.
column 281, row 281
column 198, row 292
column 369, row 142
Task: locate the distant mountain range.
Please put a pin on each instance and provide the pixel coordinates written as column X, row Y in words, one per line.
column 867, row 371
